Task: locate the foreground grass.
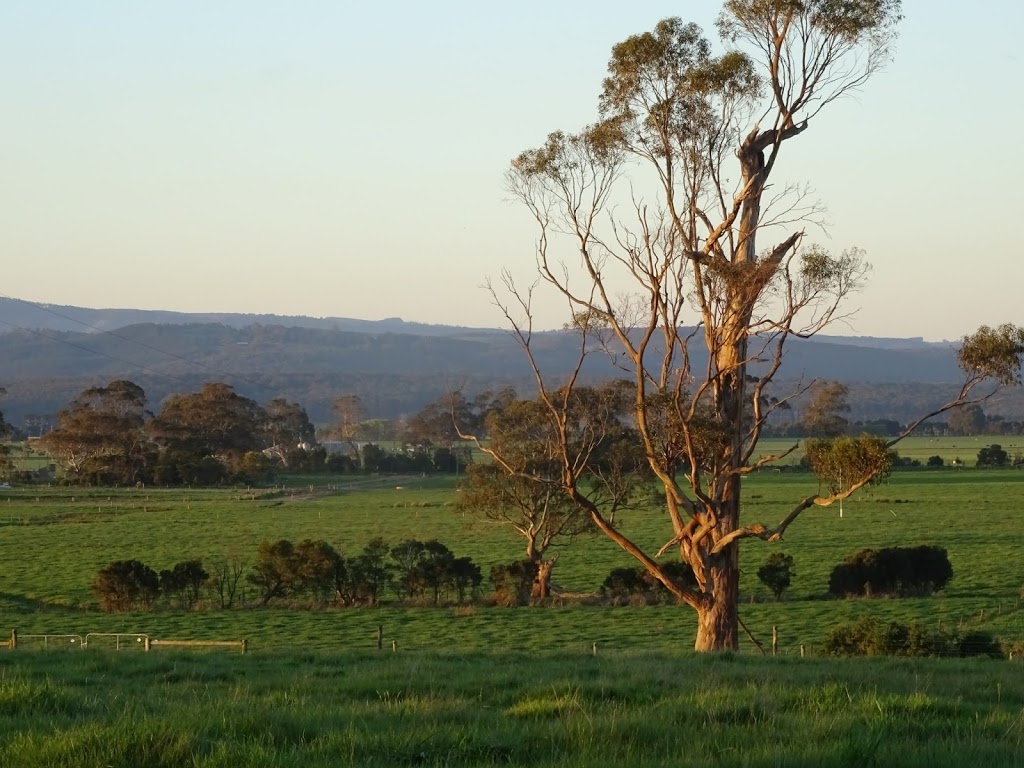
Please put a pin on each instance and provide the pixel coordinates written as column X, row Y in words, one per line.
column 503, row 708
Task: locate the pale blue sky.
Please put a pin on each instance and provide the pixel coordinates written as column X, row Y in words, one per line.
column 343, row 158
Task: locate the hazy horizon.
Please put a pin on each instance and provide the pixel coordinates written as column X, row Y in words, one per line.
column 51, row 307
column 346, row 160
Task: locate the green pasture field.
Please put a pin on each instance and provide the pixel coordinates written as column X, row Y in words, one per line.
column 53, row 541
column 575, row 684
column 503, row 707
column 24, row 458
column 919, row 448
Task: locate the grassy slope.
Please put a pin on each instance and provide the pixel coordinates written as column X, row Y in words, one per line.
column 481, row 686
column 503, row 708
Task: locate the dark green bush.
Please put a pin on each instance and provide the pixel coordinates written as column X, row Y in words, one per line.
column 892, row 571
column 625, row 583
column 513, row 583
column 777, row 573
column 871, row 637
column 992, row 456
column 126, row 585
column 184, row 582
column 980, row 643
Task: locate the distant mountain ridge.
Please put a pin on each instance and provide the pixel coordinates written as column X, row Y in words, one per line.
column 47, row 356
column 19, row 313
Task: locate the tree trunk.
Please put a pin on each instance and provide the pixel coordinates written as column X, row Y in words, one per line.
column 718, row 618
column 542, row 584
column 717, row 615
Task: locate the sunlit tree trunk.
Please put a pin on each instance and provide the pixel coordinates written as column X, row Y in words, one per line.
column 718, row 616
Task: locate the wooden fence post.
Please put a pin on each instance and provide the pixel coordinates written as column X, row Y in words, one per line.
column 775, row 640
column 14, row 639
column 245, row 646
column 801, row 650
column 145, row 644
column 595, row 649
column 394, row 645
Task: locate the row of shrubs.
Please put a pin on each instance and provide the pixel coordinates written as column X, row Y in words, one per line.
column 893, row 571
column 871, row 637
column 429, row 572
column 311, row 571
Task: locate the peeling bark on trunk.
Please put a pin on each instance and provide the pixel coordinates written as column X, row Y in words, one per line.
column 718, row 614
column 718, row 618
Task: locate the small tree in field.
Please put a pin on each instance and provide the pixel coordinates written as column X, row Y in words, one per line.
column 993, row 456
column 688, row 260
column 368, row 574
column 522, row 488
column 276, row 570
column 125, row 585
column 320, row 570
column 822, row 414
column 226, row 579
column 184, row 582
column 777, row 573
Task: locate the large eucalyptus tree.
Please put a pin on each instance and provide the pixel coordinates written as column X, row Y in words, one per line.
column 685, row 238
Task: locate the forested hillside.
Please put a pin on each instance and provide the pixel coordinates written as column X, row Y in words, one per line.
column 42, row 367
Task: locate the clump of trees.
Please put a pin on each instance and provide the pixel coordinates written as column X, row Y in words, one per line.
column 426, row 570
column 183, row 583
column 311, row 568
column 311, row 572
column 871, row 637
column 993, row 456
column 414, row 570
column 918, row 570
column 107, row 436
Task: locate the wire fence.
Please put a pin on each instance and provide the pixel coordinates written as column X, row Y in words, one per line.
column 112, row 641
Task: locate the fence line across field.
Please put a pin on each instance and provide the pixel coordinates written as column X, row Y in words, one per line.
column 138, row 637
column 147, row 644
column 141, row 639
column 76, row 640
